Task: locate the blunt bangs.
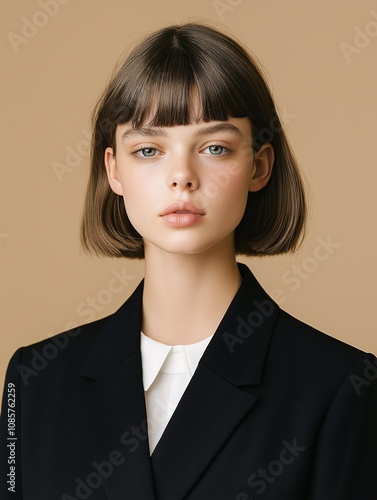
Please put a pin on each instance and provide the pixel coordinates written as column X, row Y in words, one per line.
column 177, row 63
column 180, row 75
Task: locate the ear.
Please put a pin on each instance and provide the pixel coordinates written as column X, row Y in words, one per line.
column 262, row 167
column 112, row 171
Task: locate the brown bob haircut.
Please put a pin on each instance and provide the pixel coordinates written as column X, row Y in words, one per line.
column 159, row 76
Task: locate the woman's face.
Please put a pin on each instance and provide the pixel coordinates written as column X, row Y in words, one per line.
column 185, row 187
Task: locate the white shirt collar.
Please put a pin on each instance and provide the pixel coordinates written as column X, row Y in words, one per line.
column 158, row 357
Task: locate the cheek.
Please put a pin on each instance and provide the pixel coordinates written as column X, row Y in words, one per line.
column 228, row 206
column 139, row 196
column 236, row 191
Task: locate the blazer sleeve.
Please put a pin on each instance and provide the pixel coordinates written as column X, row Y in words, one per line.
column 345, row 460
column 10, row 433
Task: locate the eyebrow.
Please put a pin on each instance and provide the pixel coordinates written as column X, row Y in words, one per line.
column 220, row 127
column 159, row 132
column 143, row 132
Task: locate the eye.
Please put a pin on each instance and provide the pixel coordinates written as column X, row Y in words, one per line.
column 145, row 152
column 216, row 150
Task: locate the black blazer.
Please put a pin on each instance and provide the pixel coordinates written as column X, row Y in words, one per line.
column 275, row 410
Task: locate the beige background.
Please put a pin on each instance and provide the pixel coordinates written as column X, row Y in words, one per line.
column 50, row 83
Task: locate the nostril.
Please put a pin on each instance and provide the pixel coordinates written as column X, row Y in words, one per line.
column 184, row 185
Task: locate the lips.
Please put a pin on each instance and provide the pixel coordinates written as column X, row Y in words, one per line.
column 180, row 215
column 182, row 208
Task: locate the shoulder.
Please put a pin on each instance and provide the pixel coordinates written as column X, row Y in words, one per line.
column 294, row 341
column 63, row 353
column 61, row 358
column 82, row 337
column 303, row 351
column 300, row 337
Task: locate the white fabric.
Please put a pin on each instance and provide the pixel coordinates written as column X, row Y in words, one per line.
column 167, row 371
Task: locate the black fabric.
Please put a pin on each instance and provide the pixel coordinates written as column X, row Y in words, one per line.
column 275, row 410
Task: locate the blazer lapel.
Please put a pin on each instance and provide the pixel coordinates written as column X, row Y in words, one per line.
column 214, row 403
column 112, row 406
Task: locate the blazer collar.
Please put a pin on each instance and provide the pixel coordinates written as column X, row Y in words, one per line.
column 239, row 347
column 119, row 338
column 237, row 350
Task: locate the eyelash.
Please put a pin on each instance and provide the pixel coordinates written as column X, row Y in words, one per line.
column 219, row 146
column 142, row 158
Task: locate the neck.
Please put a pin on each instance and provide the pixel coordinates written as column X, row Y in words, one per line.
column 186, row 296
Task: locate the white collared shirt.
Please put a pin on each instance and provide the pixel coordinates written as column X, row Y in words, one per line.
column 167, row 371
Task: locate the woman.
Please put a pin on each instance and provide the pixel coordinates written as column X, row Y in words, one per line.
column 199, row 386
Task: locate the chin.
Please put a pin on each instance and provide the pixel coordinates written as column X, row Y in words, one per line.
column 190, row 248
column 184, row 250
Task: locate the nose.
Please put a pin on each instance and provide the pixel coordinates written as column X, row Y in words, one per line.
column 182, row 175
